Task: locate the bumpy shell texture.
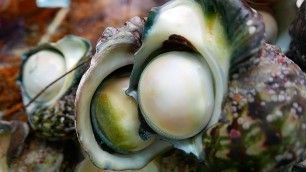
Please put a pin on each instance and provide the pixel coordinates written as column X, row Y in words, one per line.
column 55, row 122
column 264, row 117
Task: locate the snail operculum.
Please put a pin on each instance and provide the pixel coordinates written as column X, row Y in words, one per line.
column 114, row 115
column 49, row 99
column 163, row 81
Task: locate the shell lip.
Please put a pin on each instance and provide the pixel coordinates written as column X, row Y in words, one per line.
column 243, row 32
column 98, row 131
column 25, row 57
column 189, row 145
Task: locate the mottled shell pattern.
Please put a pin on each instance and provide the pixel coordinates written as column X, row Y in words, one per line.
column 264, row 117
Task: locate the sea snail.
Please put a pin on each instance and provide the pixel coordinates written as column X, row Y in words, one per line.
column 49, row 99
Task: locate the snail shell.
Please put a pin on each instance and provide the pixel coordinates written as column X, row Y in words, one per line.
column 263, row 120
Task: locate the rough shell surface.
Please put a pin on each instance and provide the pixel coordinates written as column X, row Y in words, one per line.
column 264, row 117
column 57, row 121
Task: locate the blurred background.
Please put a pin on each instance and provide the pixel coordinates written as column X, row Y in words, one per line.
column 24, row 25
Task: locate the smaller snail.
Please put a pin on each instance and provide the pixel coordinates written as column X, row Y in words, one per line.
column 48, row 91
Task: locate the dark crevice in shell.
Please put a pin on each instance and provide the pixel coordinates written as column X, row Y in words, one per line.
column 297, row 31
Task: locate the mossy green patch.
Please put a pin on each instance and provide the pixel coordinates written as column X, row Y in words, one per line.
column 110, row 121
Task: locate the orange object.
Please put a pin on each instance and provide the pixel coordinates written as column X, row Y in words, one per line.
column 10, row 93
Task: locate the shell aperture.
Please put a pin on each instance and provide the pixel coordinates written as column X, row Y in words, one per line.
column 115, row 116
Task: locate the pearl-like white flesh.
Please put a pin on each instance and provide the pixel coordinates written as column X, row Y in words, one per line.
column 176, row 94
column 40, row 70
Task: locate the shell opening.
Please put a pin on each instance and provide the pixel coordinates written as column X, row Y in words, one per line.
column 176, row 96
column 114, row 115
